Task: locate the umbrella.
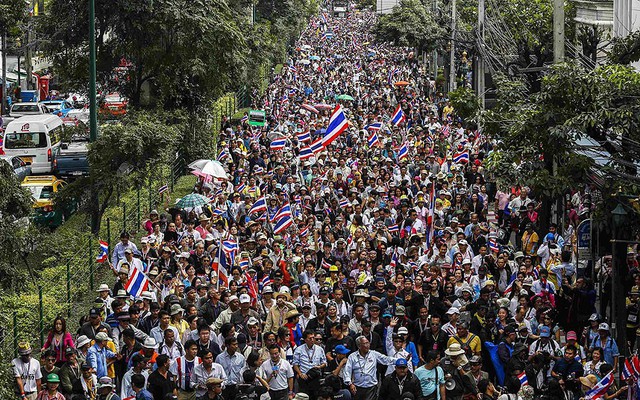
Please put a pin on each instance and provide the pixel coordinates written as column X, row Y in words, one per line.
column 198, row 164
column 311, row 108
column 306, row 47
column 344, row 97
column 192, row 200
column 214, row 169
column 314, row 58
column 322, row 106
column 304, row 62
column 401, row 83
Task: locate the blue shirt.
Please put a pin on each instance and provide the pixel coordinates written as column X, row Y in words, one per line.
column 144, row 394
column 233, row 366
column 97, row 358
column 306, row 358
column 362, row 370
column 610, row 348
column 118, row 252
column 427, row 379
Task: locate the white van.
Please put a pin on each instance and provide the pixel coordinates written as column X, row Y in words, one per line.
column 34, row 138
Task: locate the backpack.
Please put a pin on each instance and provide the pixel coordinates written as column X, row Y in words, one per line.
column 465, row 346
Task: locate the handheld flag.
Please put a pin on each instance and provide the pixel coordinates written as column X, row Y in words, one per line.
column 304, row 136
column 600, row 388
column 462, row 157
column 523, row 379
column 337, row 125
column 376, row 126
column 104, row 252
column 305, row 153
column 258, row 206
column 278, row 144
column 137, row 283
column 317, row 146
column 403, row 153
column 398, row 116
column 282, row 219
column 373, row 139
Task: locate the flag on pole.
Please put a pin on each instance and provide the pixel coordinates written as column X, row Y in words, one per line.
column 627, row 369
column 376, row 126
column 337, row 124
column 305, row 153
column 219, row 266
column 523, row 379
column 403, row 153
column 600, row 388
column 398, row 116
column 393, row 228
column 462, row 157
column 258, row 206
column 230, row 248
column 252, row 285
column 282, row 219
column 317, row 146
column 265, row 281
column 163, row 189
column 103, row 255
column 373, row 139
column 137, row 283
column 304, row 136
column 278, row 144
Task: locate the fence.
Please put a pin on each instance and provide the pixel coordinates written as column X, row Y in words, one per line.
column 75, row 273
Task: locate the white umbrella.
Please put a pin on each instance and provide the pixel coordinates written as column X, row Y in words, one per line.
column 198, row 164
column 214, row 169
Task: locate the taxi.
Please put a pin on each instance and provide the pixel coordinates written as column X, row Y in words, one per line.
column 42, row 190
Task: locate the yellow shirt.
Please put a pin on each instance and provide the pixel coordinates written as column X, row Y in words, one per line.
column 474, row 344
column 529, row 242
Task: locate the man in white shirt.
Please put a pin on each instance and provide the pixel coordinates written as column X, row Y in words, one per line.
column 361, row 370
column 278, row 373
column 206, row 370
column 183, row 369
column 26, row 372
column 139, row 363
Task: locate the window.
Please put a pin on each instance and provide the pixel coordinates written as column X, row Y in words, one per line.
column 41, row 192
column 25, row 108
column 25, row 140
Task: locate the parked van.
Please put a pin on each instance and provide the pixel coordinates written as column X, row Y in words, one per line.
column 34, row 138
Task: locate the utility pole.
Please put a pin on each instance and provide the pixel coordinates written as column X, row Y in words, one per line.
column 434, row 60
column 558, row 31
column 480, row 63
column 3, row 98
column 93, row 122
column 28, row 56
column 452, row 55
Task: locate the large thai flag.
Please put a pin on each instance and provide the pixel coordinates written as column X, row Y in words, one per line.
column 137, row 283
column 258, row 206
column 462, row 157
column 230, row 248
column 398, row 116
column 337, row 124
column 219, row 266
column 305, row 153
column 317, row 146
column 600, row 389
column 103, row 255
column 278, row 144
column 282, row 219
column 403, row 153
column 265, row 281
column 373, row 139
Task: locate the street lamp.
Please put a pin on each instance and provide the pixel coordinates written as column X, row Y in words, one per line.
column 618, row 215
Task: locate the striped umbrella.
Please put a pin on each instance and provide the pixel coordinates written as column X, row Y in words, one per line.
column 310, row 108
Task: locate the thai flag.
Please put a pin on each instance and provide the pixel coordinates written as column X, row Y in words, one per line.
column 219, row 266
column 265, row 281
column 137, row 283
column 244, row 263
column 252, row 285
column 285, row 99
column 493, row 245
column 462, row 157
column 103, row 255
column 325, row 264
column 327, row 35
column 349, row 240
column 292, row 92
column 218, row 212
column 278, row 144
column 393, row 228
column 373, row 139
column 635, row 364
column 230, row 248
column 376, row 126
column 304, row 136
column 292, row 68
column 391, row 74
column 240, row 187
column 403, row 153
column 627, row 370
column 282, row 219
column 328, row 60
column 337, row 124
column 305, row 153
column 223, row 154
column 398, row 116
column 600, row 389
column 163, row 189
column 304, row 232
column 317, row 146
column 244, row 119
column 394, row 262
column 323, row 17
column 344, row 203
column 523, row 379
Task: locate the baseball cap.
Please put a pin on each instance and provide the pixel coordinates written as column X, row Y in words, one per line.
column 453, row 310
column 545, row 332
column 571, row 335
column 603, row 327
column 245, row 298
column 341, row 349
column 401, row 363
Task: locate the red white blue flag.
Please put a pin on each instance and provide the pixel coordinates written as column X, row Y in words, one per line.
column 282, row 219
column 137, row 283
column 104, row 252
column 278, row 144
column 398, row 116
column 462, row 157
column 373, row 139
column 600, row 388
column 337, row 124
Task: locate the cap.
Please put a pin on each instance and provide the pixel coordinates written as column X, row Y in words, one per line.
column 571, row 335
column 594, row 317
column 24, row 348
column 105, row 382
column 545, row 332
column 401, row 363
column 475, row 360
column 603, row 327
column 69, row 351
column 85, row 366
column 341, row 349
column 453, row 310
column 245, row 298
column 214, row 381
column 400, row 310
column 252, row 321
column 176, row 309
column 232, row 298
column 403, row 331
column 101, row 337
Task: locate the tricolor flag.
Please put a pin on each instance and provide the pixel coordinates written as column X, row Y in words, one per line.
column 282, row 219
column 230, row 249
column 398, row 116
column 373, row 139
column 462, row 157
column 317, row 146
column 304, row 232
column 305, row 153
column 325, row 264
column 627, row 369
column 285, row 99
column 223, row 154
column 258, row 206
column 635, row 364
column 393, row 228
column 292, row 68
column 344, row 203
column 244, row 119
column 240, row 187
column 137, row 283
column 323, row 17
column 376, row 126
column 163, row 189
column 265, row 281
column 600, row 388
column 278, row 144
column 337, row 124
column 244, row 263
column 403, row 152
column 523, row 379
column 493, row 245
column 103, row 255
column 304, row 136
column 218, row 265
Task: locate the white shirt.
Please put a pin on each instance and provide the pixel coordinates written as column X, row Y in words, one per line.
column 201, row 376
column 126, row 390
column 29, row 372
column 277, row 375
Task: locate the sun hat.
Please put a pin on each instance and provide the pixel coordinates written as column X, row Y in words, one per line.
column 589, row 380
column 101, row 337
column 103, row 288
column 454, row 349
column 82, row 340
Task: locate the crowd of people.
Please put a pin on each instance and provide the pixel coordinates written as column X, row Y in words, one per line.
column 382, row 263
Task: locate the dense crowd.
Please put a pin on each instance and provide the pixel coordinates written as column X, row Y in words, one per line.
column 359, row 249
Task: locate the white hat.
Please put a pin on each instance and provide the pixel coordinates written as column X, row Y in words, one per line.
column 232, row 298
column 101, row 337
column 403, row 331
column 252, row 321
column 185, row 254
column 103, row 288
column 454, row 350
column 453, row 310
column 82, row 340
column 603, row 327
column 150, row 343
column 466, row 261
column 146, row 295
column 245, row 298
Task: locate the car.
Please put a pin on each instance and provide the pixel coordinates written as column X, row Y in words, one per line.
column 70, row 159
column 113, row 105
column 21, row 168
column 22, row 109
column 57, row 107
column 43, row 188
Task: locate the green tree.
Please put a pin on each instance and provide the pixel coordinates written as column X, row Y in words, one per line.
column 465, row 103
column 410, row 24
